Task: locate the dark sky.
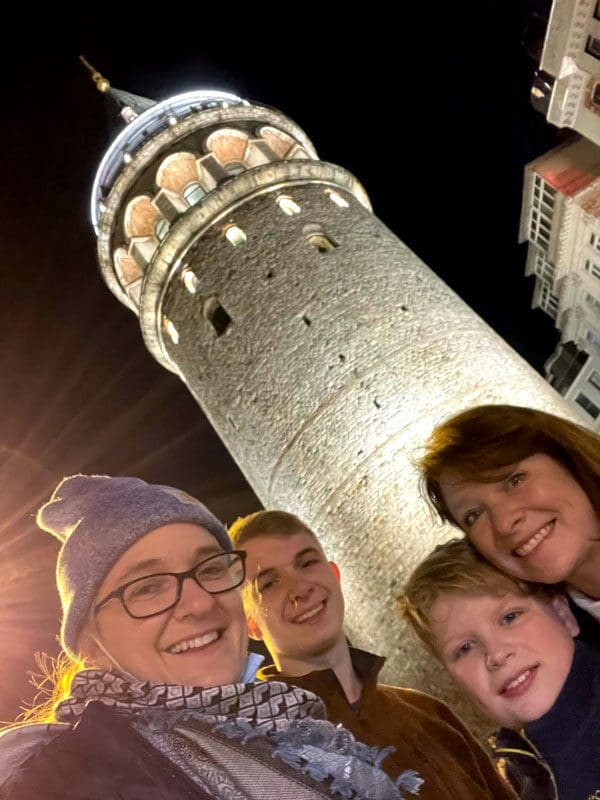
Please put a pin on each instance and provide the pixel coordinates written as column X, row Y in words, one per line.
column 429, row 108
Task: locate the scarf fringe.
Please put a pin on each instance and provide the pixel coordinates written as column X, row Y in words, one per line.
column 327, row 751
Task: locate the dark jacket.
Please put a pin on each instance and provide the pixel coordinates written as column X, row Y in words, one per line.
column 103, row 758
column 558, row 755
column 523, row 766
column 425, row 734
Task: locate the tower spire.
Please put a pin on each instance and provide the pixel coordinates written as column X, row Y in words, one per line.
column 101, row 82
column 130, row 105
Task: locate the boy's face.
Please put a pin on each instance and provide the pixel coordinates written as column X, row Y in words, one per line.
column 511, row 653
column 293, row 596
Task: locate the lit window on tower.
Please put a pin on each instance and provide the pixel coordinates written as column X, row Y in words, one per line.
column 171, row 330
column 288, row 206
column 336, row 198
column 235, row 235
column 190, row 280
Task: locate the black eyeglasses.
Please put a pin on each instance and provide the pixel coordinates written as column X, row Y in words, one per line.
column 155, row 594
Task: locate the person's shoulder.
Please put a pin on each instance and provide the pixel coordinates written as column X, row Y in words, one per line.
column 412, row 697
column 425, row 705
column 19, row 742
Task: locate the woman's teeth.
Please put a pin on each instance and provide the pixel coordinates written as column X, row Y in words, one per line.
column 188, row 644
column 532, row 543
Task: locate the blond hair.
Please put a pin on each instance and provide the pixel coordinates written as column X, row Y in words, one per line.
column 266, row 523
column 52, row 682
column 456, row 566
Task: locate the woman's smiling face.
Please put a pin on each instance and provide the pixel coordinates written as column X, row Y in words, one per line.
column 535, row 523
column 201, row 641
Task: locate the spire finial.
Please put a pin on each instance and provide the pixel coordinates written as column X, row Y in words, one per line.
column 101, row 82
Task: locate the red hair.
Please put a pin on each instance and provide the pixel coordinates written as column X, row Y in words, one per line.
column 479, row 444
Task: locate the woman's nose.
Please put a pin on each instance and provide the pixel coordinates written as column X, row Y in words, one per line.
column 193, row 598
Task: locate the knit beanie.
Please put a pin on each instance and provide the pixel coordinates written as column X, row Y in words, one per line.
column 97, row 518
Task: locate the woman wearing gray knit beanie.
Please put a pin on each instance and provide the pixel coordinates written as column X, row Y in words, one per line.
column 167, row 705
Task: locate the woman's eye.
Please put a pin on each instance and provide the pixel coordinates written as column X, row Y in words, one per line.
column 511, row 616
column 266, row 586
column 516, row 479
column 212, row 571
column 470, row 517
column 309, row 562
column 147, row 589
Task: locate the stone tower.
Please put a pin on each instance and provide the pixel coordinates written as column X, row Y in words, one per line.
column 320, row 347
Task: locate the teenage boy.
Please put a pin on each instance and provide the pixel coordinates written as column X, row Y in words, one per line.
column 294, row 603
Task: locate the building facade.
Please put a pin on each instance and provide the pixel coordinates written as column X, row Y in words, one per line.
column 561, row 222
column 567, row 85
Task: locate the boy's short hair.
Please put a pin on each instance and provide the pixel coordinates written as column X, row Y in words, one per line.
column 265, row 523
column 456, row 566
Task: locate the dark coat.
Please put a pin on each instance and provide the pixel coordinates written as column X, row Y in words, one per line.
column 523, row 767
column 101, row 758
column 104, row 758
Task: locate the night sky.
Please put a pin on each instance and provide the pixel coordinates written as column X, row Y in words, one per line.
column 429, row 109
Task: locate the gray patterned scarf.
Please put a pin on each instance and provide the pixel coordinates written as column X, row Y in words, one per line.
column 192, row 727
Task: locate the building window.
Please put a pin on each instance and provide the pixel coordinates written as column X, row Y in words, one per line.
column 539, row 230
column 543, row 268
column 593, row 337
column 288, row 206
column 594, row 379
column 594, row 237
column 543, row 193
column 235, row 235
column 587, row 405
column 234, row 167
column 322, row 243
column 591, row 301
column 171, row 330
column 193, row 193
column 337, row 198
column 593, row 47
column 190, row 281
column 542, row 210
column 161, row 228
column 593, row 268
column 216, row 315
column 549, row 301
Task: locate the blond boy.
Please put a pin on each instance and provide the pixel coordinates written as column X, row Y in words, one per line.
column 509, row 645
column 294, row 603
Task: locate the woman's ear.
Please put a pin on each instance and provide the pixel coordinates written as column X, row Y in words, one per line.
column 90, row 650
column 336, row 571
column 562, row 609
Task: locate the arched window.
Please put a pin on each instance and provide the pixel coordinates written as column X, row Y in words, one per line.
column 216, row 315
column 161, row 228
column 287, row 205
column 235, row 235
column 193, row 193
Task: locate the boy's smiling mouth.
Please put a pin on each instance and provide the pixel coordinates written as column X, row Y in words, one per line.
column 519, row 683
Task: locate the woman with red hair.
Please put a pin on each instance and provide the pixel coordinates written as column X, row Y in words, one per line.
column 524, row 487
